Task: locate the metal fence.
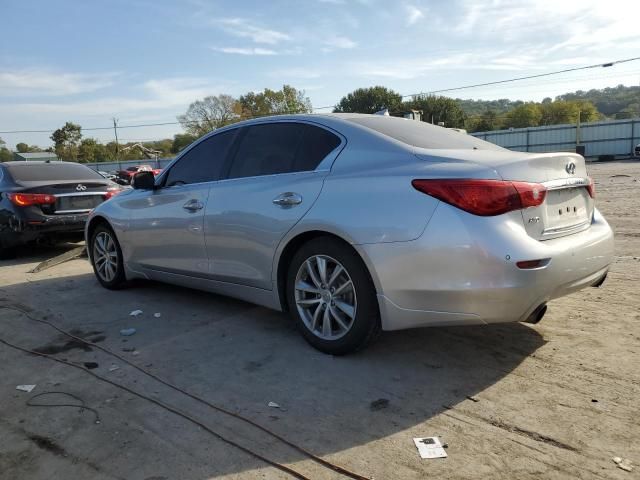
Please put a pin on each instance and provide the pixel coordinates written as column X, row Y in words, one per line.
column 111, row 166
column 617, row 138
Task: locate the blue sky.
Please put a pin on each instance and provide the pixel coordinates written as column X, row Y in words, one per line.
column 145, row 61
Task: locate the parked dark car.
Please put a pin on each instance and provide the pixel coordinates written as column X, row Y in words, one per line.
column 636, row 151
column 42, row 200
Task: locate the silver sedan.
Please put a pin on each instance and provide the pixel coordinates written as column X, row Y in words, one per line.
column 359, row 223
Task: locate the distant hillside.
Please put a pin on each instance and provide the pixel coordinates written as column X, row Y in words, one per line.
column 616, row 102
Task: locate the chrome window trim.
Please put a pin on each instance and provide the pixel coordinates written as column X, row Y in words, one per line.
column 325, row 165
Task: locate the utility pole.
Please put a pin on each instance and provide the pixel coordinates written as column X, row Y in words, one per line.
column 115, row 131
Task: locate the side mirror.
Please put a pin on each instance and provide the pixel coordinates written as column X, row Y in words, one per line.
column 143, row 181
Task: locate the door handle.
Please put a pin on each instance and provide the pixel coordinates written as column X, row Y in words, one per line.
column 193, row 205
column 287, row 199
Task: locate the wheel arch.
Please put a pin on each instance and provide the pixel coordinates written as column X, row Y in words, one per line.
column 291, row 247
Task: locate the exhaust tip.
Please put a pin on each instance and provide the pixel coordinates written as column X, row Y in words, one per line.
column 537, row 314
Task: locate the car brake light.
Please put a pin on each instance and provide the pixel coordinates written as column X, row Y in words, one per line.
column 591, row 188
column 484, row 197
column 28, row 199
column 111, row 192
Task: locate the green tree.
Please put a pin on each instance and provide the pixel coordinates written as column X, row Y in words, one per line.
column 489, row 120
column 631, row 111
column 5, row 153
column 438, row 109
column 526, row 115
column 91, row 151
column 181, row 140
column 288, row 100
column 369, row 100
column 24, row 148
column 568, row 111
column 66, row 140
column 210, row 113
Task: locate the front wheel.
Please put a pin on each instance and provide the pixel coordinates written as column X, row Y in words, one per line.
column 106, row 258
column 331, row 297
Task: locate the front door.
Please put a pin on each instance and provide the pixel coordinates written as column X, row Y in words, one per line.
column 271, row 183
column 167, row 224
column 167, row 228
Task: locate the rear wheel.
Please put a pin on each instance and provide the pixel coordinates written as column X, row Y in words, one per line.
column 331, row 297
column 106, row 258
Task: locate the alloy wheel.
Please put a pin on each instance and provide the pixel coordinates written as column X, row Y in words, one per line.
column 105, row 256
column 325, row 297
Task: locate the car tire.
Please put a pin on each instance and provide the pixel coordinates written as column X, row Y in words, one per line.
column 106, row 258
column 331, row 297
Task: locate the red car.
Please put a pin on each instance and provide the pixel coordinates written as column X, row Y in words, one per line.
column 128, row 174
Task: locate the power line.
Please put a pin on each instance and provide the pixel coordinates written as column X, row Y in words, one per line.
column 462, row 87
column 497, row 82
column 509, row 80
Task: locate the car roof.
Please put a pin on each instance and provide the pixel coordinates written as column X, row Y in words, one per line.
column 39, row 162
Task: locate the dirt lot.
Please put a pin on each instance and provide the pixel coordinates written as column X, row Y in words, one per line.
column 555, row 400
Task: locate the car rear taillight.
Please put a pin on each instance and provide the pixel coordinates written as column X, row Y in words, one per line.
column 591, row 188
column 484, row 197
column 28, row 199
column 112, row 192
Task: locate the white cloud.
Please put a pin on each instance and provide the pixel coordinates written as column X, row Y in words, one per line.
column 170, row 94
column 241, row 27
column 339, row 41
column 296, row 72
column 414, row 14
column 554, row 25
column 43, row 82
column 411, row 68
column 245, row 50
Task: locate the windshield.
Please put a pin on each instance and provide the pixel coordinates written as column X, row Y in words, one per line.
column 422, row 134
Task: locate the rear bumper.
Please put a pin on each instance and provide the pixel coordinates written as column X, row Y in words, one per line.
column 18, row 231
column 462, row 270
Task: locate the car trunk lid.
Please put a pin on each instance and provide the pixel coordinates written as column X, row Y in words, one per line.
column 568, row 206
column 71, row 196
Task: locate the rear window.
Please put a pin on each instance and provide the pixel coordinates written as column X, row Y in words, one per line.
column 41, row 172
column 422, row 134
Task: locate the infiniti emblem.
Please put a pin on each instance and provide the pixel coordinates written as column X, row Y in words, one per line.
column 570, row 168
column 81, row 188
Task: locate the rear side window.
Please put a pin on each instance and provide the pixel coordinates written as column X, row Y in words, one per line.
column 204, row 162
column 42, row 172
column 274, row 148
column 317, row 143
column 267, row 149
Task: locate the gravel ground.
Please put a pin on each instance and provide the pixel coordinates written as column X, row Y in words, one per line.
column 554, row 400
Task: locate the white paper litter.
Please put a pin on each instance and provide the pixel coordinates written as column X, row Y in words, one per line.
column 113, row 368
column 623, row 463
column 430, row 447
column 135, row 313
column 25, row 388
column 157, row 314
column 273, row 405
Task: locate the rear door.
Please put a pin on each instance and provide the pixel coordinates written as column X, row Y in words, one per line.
column 271, row 183
column 166, row 225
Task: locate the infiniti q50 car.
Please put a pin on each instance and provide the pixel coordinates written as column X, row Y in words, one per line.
column 359, row 223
